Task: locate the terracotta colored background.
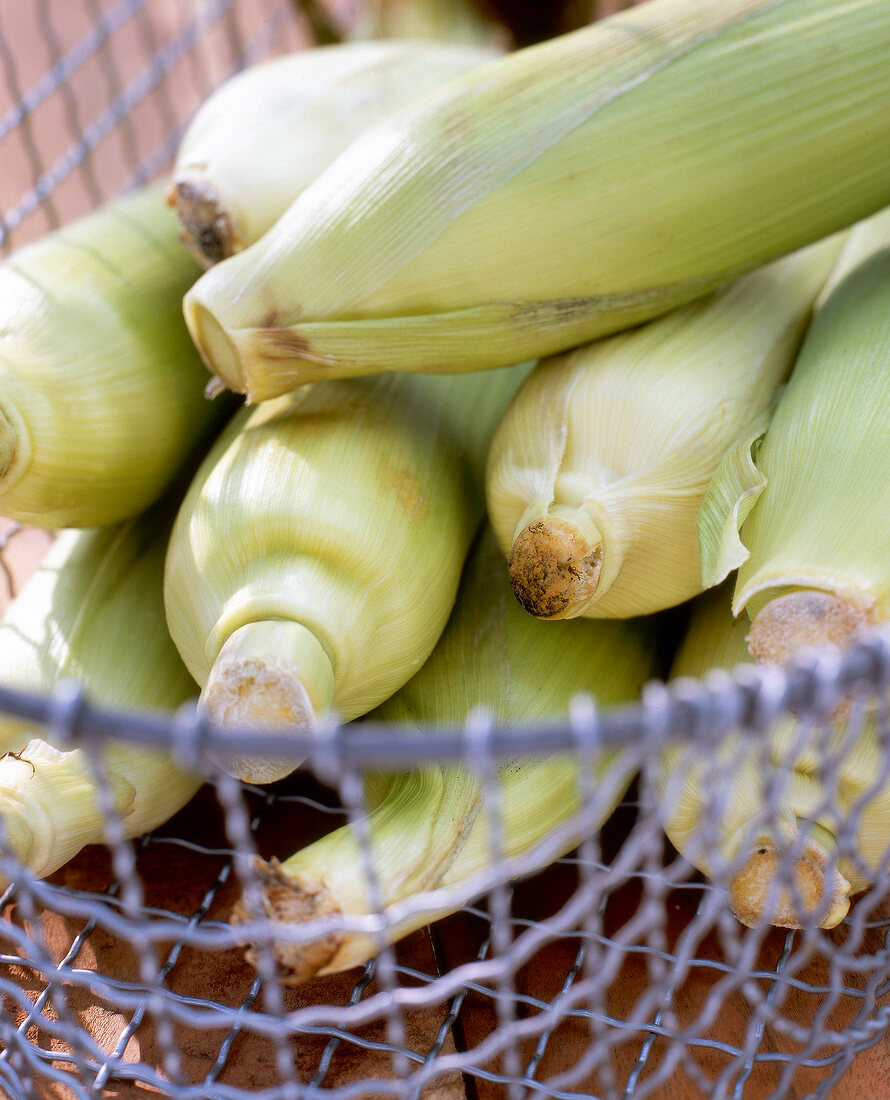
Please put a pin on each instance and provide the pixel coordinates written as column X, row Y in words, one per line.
column 111, row 122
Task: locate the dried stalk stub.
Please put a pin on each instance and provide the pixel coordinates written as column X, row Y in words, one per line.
column 317, row 554
column 461, row 234
column 430, row 827
column 812, row 559
column 597, row 471
column 293, row 116
column 792, row 822
column 816, row 886
column 101, row 390
column 555, row 565
column 93, row 612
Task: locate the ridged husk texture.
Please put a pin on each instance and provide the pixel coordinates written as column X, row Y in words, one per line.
column 430, row 828
column 317, row 554
column 808, row 800
column 92, row 613
column 565, row 191
column 292, row 116
column 812, row 554
column 464, row 21
column 599, row 467
column 101, row 390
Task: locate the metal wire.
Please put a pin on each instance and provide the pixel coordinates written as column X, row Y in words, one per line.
column 598, row 965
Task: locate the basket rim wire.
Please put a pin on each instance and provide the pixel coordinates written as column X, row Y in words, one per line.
column 748, row 699
column 387, row 990
column 70, row 717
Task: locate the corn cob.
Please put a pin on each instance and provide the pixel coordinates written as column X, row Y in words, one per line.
column 94, row 613
column 812, row 554
column 565, row 191
column 318, row 551
column 293, row 115
column 429, row 828
column 602, row 460
column 807, row 804
column 101, row 392
column 439, row 20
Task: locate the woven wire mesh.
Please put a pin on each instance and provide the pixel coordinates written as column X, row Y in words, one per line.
column 615, row 971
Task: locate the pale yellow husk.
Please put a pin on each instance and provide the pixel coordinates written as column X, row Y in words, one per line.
column 812, row 555
column 92, row 613
column 808, row 801
column 101, row 390
column 565, row 191
column 464, row 21
column 431, row 828
column 317, row 554
column 265, row 134
column 599, row 467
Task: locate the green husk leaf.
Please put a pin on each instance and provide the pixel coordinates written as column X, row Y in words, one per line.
column 433, row 828
column 821, row 522
column 293, row 115
column 339, row 516
column 101, row 390
column 474, row 209
column 734, row 490
column 93, row 614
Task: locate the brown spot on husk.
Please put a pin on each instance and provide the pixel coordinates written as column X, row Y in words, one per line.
column 410, row 493
column 799, row 620
column 281, row 343
column 286, row 901
column 552, row 568
column 565, row 309
column 208, row 229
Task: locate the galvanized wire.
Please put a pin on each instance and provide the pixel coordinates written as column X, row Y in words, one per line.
column 616, row 972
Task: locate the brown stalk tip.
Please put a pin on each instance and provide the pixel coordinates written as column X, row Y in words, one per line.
column 207, row 225
column 798, row 620
column 251, row 694
column 818, row 891
column 552, row 568
column 287, row 902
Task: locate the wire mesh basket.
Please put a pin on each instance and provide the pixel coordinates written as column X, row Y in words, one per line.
column 598, row 963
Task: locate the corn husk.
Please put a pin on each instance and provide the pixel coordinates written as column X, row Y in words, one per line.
column 101, row 391
column 462, row 21
column 292, row 116
column 317, row 554
column 568, row 190
column 599, row 467
column 430, row 828
column 812, row 554
column 791, row 823
column 92, row 613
